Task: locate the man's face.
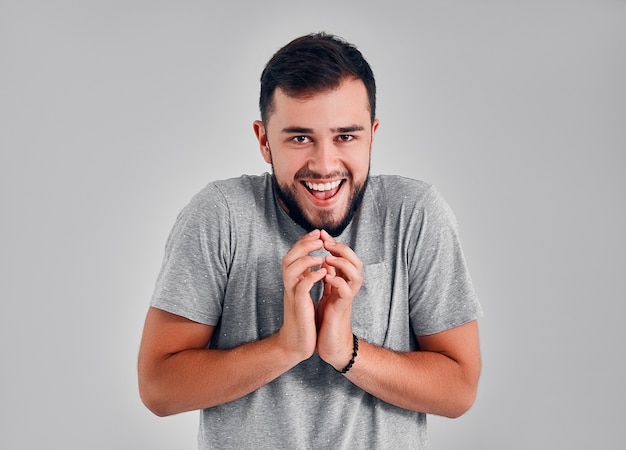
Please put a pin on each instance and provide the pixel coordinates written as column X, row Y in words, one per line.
column 319, row 148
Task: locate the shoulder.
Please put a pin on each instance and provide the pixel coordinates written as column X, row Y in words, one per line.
column 393, row 185
column 242, row 185
column 233, row 188
column 411, row 201
column 224, row 199
column 397, row 191
column 232, row 191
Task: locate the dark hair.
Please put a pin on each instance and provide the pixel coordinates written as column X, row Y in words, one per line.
column 314, row 63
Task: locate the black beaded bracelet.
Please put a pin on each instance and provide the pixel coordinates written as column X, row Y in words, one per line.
column 354, row 352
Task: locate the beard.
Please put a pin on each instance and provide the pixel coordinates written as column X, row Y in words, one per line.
column 325, row 220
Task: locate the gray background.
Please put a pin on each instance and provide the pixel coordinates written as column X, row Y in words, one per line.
column 114, row 113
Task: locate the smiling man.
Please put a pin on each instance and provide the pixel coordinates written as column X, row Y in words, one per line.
column 320, row 153
column 316, row 306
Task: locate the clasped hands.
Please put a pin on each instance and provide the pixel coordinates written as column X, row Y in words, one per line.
column 325, row 328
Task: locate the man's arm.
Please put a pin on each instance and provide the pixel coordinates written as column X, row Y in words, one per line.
column 441, row 378
column 177, row 373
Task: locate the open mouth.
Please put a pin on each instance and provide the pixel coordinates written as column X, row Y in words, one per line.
column 323, row 191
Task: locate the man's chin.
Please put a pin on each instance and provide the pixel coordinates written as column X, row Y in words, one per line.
column 333, row 226
column 325, row 220
column 332, row 229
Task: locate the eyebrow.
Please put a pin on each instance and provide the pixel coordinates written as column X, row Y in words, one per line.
column 302, row 130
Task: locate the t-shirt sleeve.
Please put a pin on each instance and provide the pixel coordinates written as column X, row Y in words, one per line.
column 192, row 279
column 441, row 293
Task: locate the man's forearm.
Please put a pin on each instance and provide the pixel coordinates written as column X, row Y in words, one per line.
column 200, row 378
column 427, row 381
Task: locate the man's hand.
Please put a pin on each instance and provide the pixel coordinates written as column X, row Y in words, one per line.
column 298, row 334
column 329, row 328
column 342, row 282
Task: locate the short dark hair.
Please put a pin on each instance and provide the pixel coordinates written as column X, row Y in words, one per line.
column 314, row 63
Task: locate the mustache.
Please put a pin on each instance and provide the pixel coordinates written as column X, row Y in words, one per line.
column 305, row 173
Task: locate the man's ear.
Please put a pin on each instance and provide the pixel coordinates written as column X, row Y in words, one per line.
column 375, row 125
column 261, row 136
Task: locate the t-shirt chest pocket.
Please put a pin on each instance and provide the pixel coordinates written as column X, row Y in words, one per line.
column 370, row 310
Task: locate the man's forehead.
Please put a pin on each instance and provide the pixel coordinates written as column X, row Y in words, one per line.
column 308, row 94
column 348, row 103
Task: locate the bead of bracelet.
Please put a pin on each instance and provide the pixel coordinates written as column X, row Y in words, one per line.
column 355, row 350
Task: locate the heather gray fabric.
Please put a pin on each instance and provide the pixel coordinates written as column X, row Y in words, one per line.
column 222, row 267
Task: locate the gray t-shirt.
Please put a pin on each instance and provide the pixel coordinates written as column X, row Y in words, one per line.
column 222, row 267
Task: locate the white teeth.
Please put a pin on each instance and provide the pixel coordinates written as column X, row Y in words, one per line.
column 322, row 186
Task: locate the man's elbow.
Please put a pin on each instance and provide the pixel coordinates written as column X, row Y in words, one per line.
column 463, row 400
column 151, row 394
column 461, row 404
column 467, row 391
column 151, row 401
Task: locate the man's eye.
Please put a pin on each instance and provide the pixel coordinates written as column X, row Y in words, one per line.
column 300, row 139
column 345, row 137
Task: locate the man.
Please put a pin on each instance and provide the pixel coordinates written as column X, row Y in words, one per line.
column 319, row 306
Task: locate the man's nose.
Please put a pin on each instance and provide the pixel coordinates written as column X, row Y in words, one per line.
column 324, row 158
